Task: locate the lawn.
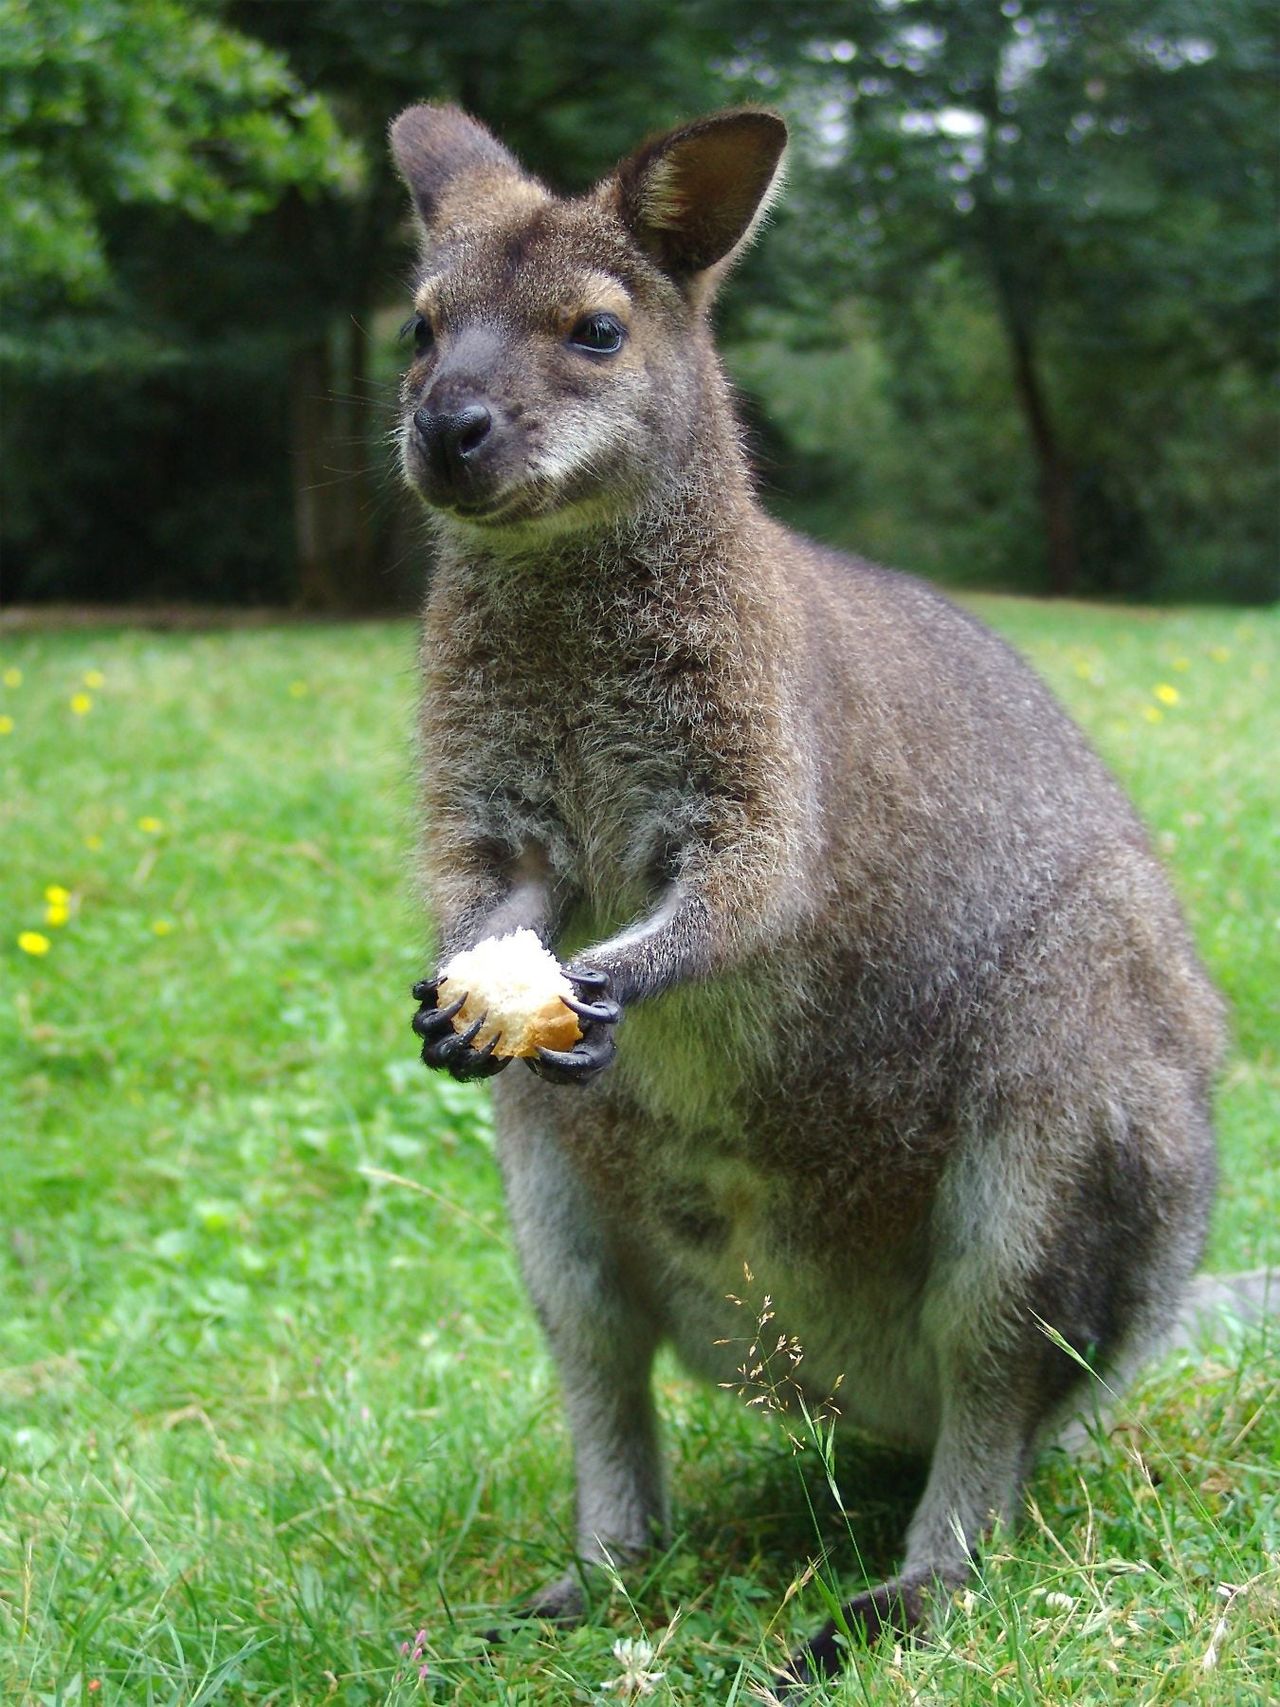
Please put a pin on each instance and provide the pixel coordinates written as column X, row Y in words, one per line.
column 271, row 1400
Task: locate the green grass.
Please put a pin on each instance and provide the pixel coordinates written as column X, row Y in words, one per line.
column 266, row 1412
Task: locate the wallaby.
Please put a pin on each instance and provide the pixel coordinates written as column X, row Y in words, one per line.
column 882, row 991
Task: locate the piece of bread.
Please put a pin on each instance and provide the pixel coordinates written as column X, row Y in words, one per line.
column 516, row 987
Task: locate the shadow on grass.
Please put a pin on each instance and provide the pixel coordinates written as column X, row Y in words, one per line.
column 773, row 1510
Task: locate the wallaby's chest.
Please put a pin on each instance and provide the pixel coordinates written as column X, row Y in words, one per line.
column 592, row 743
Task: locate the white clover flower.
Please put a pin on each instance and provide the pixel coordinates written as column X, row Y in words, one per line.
column 634, row 1655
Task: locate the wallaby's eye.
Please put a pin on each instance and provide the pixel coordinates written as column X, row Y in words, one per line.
column 420, row 327
column 598, row 335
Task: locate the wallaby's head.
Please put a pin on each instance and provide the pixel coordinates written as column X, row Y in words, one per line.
column 562, row 361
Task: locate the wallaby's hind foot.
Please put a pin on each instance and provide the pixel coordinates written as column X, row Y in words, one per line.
column 562, row 1602
column 893, row 1609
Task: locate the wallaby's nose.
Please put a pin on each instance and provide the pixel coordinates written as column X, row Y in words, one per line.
column 452, row 437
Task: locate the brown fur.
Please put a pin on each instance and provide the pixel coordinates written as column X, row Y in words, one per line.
column 911, row 1022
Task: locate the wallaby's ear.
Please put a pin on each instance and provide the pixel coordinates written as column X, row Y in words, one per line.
column 692, row 196
column 435, row 146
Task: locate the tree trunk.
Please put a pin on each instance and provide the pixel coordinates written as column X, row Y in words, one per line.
column 1054, row 471
column 330, row 478
column 1013, row 271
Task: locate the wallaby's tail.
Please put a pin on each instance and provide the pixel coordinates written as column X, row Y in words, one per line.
column 1213, row 1305
column 1214, row 1302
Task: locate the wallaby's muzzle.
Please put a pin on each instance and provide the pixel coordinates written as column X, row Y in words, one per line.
column 459, row 441
column 453, row 444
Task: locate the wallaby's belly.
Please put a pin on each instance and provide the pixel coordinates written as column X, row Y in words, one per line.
column 736, row 1199
column 731, row 1170
column 752, row 1300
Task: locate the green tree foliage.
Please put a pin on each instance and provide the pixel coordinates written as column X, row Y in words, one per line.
column 113, row 104
column 263, row 368
column 1015, row 324
column 143, row 144
column 1103, row 177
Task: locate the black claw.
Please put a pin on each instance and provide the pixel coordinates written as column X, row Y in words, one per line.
column 428, row 1020
column 460, row 1061
column 577, row 1065
column 590, row 976
column 791, row 1684
column 803, row 1668
column 443, row 1047
column 560, row 1060
column 596, row 1048
column 446, row 1051
column 893, row 1609
column 472, row 1032
column 440, row 1051
column 595, row 1013
column 479, row 1063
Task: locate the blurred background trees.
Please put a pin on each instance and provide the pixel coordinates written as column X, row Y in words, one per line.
column 1015, row 325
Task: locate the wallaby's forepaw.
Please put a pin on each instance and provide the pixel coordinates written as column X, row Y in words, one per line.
column 442, row 1046
column 592, row 1053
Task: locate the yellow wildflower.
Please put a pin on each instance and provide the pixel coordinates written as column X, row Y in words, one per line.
column 1182, row 663
column 32, row 942
column 6, row 725
column 93, row 843
column 12, row 677
column 162, row 927
column 94, row 679
column 81, row 704
column 151, row 826
column 1153, row 714
column 56, row 895
column 57, row 913
column 1166, row 693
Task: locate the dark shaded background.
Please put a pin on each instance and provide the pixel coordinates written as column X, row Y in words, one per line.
column 1014, row 324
